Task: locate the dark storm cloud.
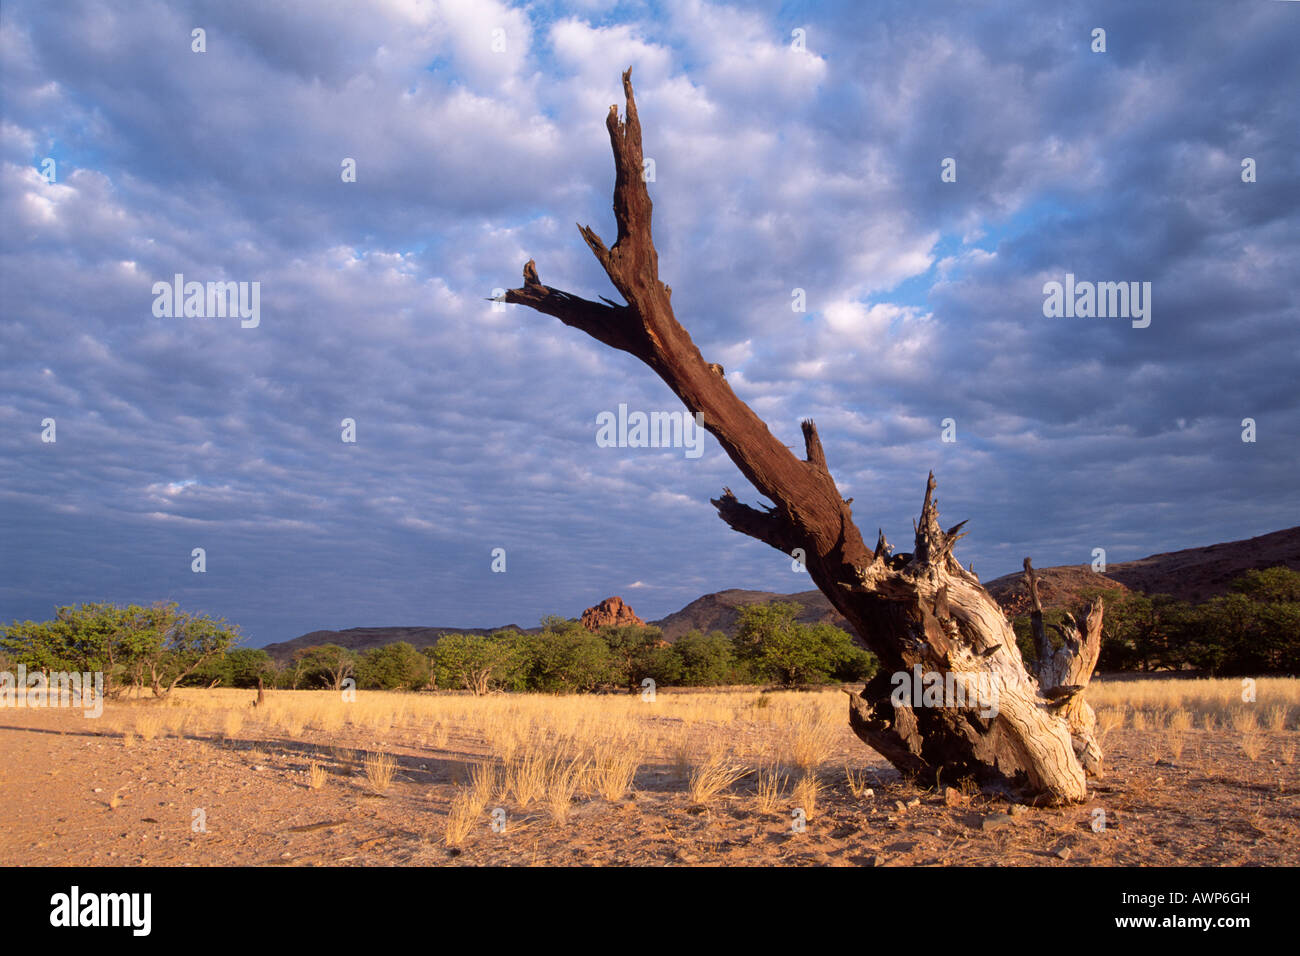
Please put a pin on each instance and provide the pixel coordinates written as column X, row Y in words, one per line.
column 775, row 170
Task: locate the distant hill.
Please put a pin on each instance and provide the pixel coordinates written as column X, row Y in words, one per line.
column 718, row 612
column 1061, row 587
column 1200, row 573
column 1194, row 574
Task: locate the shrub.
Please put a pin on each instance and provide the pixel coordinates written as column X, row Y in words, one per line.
column 567, row 659
column 778, row 648
column 477, row 662
column 396, row 666
column 706, row 660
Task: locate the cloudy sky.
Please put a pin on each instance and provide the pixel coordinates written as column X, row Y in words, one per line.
column 477, row 133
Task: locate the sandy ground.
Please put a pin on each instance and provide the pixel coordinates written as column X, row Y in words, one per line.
column 74, row 792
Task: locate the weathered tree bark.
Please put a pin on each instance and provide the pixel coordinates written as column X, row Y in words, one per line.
column 1064, row 672
column 921, row 610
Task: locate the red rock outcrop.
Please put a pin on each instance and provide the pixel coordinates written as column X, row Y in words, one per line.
column 611, row 612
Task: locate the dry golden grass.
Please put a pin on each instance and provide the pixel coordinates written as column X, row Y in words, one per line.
column 327, row 719
column 805, row 794
column 380, row 768
column 681, row 750
column 149, row 724
column 441, row 736
column 1275, row 719
column 563, row 777
column 485, row 779
column 1199, row 761
column 613, row 768
column 617, row 734
column 712, row 776
column 1245, row 720
column 174, row 719
column 461, row 817
column 504, row 740
column 1110, row 718
column 1218, row 696
column 1175, row 740
column 316, row 775
column 524, row 778
column 525, row 740
column 346, row 757
column 857, row 783
column 1252, row 745
column 470, row 716
column 770, row 789
column 811, row 739
column 292, row 723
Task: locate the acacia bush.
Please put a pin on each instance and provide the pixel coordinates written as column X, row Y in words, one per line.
column 564, row 657
column 779, row 649
column 475, row 662
column 158, row 646
column 396, row 666
column 1253, row 629
column 238, row 667
column 164, row 647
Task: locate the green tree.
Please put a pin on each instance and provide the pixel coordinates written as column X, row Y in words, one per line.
column 326, row 665
column 760, row 624
column 564, row 658
column 1279, row 625
column 660, row 664
column 778, row 648
column 37, row 645
column 1023, row 629
column 1145, row 632
column 636, row 653
column 1237, row 635
column 173, row 643
column 841, row 659
column 238, row 667
column 160, row 645
column 476, row 662
column 708, row 660
column 247, row 664
column 397, row 666
column 1276, row 585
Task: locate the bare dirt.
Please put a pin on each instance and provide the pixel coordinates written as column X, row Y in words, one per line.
column 73, row 793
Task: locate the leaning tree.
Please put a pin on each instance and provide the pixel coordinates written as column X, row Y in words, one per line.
column 920, row 612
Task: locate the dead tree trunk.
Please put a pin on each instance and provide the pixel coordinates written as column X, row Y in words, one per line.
column 921, row 612
column 1064, row 672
